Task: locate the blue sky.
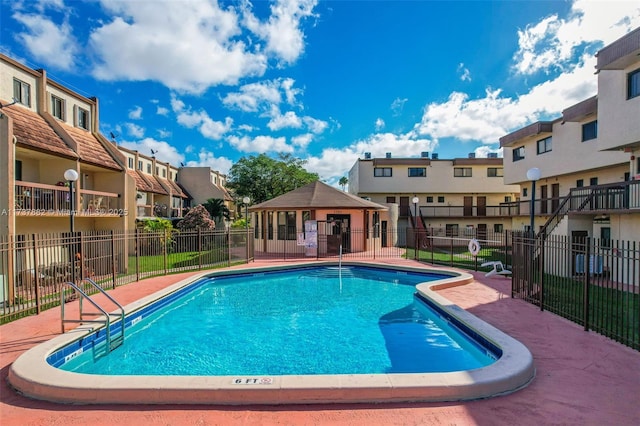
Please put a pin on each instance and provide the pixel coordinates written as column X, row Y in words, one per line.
column 206, row 83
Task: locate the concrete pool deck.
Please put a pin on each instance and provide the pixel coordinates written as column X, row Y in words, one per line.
column 582, row 378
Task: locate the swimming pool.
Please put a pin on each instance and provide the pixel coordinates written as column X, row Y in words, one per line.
column 391, row 382
column 310, row 320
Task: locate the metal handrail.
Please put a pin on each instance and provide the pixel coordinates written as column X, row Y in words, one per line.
column 83, row 295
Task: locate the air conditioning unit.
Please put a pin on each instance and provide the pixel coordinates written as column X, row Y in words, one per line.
column 388, row 155
column 424, row 154
column 595, row 264
column 434, row 156
column 367, row 156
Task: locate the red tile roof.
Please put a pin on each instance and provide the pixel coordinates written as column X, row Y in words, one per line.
column 156, row 185
column 141, row 182
column 90, row 149
column 175, row 188
column 31, row 130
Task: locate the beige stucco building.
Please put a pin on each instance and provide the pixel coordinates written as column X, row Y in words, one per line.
column 459, row 195
column 588, row 157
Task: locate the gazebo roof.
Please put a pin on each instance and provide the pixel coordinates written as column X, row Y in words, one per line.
column 317, row 195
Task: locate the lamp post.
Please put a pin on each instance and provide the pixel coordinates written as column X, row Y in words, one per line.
column 415, row 201
column 246, row 201
column 71, row 176
column 533, row 175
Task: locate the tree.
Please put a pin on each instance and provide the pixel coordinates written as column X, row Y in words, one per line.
column 217, row 209
column 343, row 182
column 262, row 178
column 198, row 217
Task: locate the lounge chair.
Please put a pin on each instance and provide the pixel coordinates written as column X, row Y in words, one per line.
column 497, row 268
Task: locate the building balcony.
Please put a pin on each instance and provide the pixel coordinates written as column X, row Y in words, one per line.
column 502, row 210
column 52, row 200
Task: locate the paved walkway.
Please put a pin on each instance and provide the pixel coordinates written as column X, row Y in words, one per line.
column 582, row 378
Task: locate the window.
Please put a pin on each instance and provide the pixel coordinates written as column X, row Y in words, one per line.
column 605, row 237
column 22, row 92
column 391, row 199
column 376, row 224
column 525, row 191
column 287, row 226
column 82, row 120
column 590, row 130
column 498, row 227
column 164, row 173
column 518, row 153
column 633, row 84
column 462, row 172
column 452, row 230
column 382, row 172
column 131, row 163
column 270, row 225
column 441, row 199
column 544, row 145
column 579, row 183
column 593, row 181
column 157, row 170
column 429, row 199
column 18, row 170
column 507, row 198
column 57, row 107
column 149, row 168
column 417, row 171
column 495, row 172
column 140, row 165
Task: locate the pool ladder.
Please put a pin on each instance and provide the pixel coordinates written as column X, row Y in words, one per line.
column 112, row 343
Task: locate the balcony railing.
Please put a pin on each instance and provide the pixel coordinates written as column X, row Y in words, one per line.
column 45, row 200
column 503, row 210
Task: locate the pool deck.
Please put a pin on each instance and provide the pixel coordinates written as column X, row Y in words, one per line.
column 582, row 378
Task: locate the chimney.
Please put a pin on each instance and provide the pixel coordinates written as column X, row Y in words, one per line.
column 388, row 155
column 424, row 154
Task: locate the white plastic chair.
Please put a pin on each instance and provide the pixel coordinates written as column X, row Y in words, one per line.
column 497, row 268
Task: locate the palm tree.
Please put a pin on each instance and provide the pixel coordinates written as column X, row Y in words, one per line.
column 217, row 209
column 343, row 182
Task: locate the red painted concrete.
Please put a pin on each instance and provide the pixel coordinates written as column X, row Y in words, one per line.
column 582, row 378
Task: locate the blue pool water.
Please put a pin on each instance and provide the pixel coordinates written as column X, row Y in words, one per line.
column 302, row 321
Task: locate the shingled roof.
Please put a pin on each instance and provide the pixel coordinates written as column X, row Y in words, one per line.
column 141, row 183
column 175, row 188
column 90, row 149
column 317, row 195
column 31, row 130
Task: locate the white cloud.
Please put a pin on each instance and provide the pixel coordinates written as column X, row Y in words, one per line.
column 135, row 113
column 208, row 159
column 398, row 105
column 207, row 127
column 554, row 42
column 379, row 124
column 465, row 74
column 483, row 151
column 162, row 111
column 314, row 125
column 163, row 150
column 163, row 133
column 134, row 130
column 286, row 120
column 260, row 144
column 281, row 32
column 262, row 96
column 50, row 43
column 301, row 141
column 174, row 43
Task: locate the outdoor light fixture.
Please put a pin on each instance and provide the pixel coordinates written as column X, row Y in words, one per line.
column 71, row 176
column 533, row 175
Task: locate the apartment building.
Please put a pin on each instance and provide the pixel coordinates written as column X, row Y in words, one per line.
column 203, row 183
column 154, row 183
column 459, row 195
column 46, row 129
column 588, row 158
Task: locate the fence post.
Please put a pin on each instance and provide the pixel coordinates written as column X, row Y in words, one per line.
column 165, row 242
column 541, row 270
column 137, row 235
column 113, row 260
column 36, row 273
column 199, row 248
column 587, row 264
column 451, row 251
column 229, row 242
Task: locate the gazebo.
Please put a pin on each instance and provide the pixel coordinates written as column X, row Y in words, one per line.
column 318, row 219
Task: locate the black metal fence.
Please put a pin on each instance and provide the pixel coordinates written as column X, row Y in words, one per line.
column 34, row 267
column 593, row 282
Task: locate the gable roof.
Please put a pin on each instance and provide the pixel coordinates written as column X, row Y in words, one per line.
column 317, row 195
column 31, row 130
column 90, row 149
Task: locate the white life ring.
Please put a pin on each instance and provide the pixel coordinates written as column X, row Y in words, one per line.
column 474, row 247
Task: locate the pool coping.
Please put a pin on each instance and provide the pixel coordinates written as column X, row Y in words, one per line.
column 32, row 376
